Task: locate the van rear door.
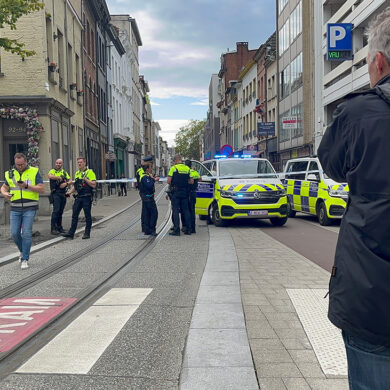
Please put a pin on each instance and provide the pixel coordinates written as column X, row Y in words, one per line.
column 206, row 188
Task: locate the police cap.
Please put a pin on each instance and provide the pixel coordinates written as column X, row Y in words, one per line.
column 147, row 158
column 188, row 163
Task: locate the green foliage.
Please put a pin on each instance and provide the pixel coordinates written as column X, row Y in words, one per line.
column 188, row 140
column 10, row 12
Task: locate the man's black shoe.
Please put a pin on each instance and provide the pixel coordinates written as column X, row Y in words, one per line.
column 86, row 236
column 67, row 235
column 193, row 231
column 153, row 234
column 61, row 230
column 173, row 233
column 54, row 232
column 183, row 229
column 187, row 232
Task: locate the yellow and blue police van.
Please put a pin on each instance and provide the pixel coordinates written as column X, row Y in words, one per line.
column 310, row 191
column 239, row 187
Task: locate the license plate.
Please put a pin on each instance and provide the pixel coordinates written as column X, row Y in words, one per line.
column 258, row 212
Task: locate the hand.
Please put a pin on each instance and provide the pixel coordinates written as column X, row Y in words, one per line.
column 166, row 197
column 156, row 178
column 8, row 195
column 21, row 185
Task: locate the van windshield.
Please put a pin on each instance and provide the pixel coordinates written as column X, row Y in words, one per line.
column 246, row 168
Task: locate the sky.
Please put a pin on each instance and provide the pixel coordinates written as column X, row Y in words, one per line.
column 182, row 42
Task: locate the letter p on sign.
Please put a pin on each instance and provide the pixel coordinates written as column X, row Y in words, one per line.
column 336, row 33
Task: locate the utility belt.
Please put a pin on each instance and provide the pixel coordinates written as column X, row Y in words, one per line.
column 178, row 189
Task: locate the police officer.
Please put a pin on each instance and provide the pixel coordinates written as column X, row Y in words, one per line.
column 194, row 175
column 22, row 187
column 179, row 179
column 148, row 160
column 84, row 183
column 146, row 191
column 59, row 180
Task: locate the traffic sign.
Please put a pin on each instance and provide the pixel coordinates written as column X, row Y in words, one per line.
column 226, row 150
column 339, row 38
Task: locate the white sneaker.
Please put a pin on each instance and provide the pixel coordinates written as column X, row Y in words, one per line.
column 24, row 264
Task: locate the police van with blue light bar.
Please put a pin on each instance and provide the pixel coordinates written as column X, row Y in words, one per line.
column 310, row 191
column 239, row 187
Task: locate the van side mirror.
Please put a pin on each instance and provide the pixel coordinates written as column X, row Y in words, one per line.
column 208, row 179
column 312, row 177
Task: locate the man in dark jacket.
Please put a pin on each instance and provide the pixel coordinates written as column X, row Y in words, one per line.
column 149, row 208
column 356, row 149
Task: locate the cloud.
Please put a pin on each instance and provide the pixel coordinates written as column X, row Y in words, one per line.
column 170, row 127
column 166, row 90
column 152, row 103
column 203, row 102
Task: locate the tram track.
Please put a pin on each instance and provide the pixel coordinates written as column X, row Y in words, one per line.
column 13, row 358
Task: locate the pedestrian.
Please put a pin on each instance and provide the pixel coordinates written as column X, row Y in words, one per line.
column 147, row 160
column 22, row 186
column 179, row 179
column 123, row 185
column 194, row 175
column 84, row 183
column 146, row 190
column 355, row 149
column 59, row 181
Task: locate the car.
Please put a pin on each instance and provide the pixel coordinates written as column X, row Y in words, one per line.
column 311, row 191
column 239, row 188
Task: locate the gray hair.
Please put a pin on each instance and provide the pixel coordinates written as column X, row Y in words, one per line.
column 379, row 35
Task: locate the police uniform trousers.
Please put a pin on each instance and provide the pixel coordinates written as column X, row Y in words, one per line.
column 191, row 205
column 144, row 222
column 82, row 203
column 180, row 203
column 59, row 202
column 150, row 213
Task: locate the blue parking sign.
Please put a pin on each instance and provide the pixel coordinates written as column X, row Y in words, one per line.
column 340, row 46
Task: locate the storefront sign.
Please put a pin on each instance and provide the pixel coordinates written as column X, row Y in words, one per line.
column 265, row 129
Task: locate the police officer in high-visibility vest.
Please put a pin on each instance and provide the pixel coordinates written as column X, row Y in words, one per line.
column 22, row 187
column 194, row 175
column 147, row 160
column 146, row 190
column 59, row 180
column 179, row 179
column 84, row 183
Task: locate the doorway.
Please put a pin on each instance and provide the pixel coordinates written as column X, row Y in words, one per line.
column 10, row 148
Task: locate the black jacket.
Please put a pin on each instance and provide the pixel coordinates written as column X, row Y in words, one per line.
column 356, row 149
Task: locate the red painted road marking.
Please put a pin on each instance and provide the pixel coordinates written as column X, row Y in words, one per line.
column 20, row 317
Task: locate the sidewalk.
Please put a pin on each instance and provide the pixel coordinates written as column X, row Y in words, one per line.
column 293, row 344
column 41, row 229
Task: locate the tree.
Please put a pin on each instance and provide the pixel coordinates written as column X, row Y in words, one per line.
column 188, row 139
column 10, row 12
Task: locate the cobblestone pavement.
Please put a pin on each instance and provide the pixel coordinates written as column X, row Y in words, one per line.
column 282, row 353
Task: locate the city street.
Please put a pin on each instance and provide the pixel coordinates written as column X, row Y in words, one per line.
column 222, row 308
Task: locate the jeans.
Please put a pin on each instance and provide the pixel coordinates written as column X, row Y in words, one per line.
column 21, row 223
column 368, row 364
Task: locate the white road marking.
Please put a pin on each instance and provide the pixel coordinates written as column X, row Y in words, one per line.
column 77, row 348
column 325, row 338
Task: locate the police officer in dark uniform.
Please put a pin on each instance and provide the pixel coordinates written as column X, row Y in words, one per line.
column 194, row 175
column 179, row 179
column 84, row 183
column 149, row 208
column 59, row 180
column 148, row 160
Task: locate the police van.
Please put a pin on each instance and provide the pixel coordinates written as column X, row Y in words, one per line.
column 310, row 191
column 239, row 187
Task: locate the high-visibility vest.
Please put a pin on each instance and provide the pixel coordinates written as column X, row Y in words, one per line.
column 28, row 176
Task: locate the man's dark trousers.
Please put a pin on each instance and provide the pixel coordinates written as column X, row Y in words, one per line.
column 144, row 221
column 191, row 204
column 82, row 203
column 180, row 203
column 59, row 202
column 151, row 214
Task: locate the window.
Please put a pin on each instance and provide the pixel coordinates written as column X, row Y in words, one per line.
column 81, row 142
column 313, row 166
column 282, row 4
column 284, row 37
column 284, row 82
column 284, row 134
column 298, row 112
column 55, row 151
column 296, row 72
column 61, row 59
column 297, row 166
column 65, row 146
column 296, row 22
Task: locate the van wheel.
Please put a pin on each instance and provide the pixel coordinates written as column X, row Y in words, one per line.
column 278, row 221
column 216, row 218
column 322, row 216
column 290, row 212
